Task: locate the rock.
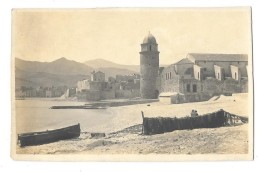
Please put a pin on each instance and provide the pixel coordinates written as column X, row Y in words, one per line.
column 97, row 135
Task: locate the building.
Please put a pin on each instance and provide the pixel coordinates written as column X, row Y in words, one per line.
column 82, row 85
column 70, row 92
column 200, row 76
column 127, row 78
column 149, row 67
column 123, row 86
column 111, row 79
column 197, row 77
column 49, row 93
column 98, row 76
column 97, row 88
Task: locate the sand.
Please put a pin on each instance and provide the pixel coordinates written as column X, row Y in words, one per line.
column 223, row 140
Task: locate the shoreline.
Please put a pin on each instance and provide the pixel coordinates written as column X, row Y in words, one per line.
column 116, row 122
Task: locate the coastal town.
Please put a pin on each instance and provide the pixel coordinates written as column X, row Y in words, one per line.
column 197, row 77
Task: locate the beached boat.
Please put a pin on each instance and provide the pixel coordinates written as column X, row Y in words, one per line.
column 37, row 138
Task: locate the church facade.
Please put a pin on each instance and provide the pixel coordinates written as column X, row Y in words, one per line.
column 197, row 77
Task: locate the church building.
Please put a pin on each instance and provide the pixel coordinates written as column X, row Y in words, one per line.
column 198, row 77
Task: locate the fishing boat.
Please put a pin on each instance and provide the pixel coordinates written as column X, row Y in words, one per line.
column 43, row 137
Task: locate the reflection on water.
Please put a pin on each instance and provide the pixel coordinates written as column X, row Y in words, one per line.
column 35, row 115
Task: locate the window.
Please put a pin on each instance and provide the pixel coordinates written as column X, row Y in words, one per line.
column 194, row 88
column 150, row 47
column 235, row 75
column 188, row 71
column 218, row 75
column 170, row 75
column 198, row 75
column 188, row 87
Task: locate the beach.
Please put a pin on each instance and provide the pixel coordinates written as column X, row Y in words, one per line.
column 123, row 130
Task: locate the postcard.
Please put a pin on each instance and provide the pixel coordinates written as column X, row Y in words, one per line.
column 132, row 84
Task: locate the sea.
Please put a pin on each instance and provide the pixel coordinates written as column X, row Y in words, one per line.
column 35, row 115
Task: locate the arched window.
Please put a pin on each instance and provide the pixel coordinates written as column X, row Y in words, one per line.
column 150, row 47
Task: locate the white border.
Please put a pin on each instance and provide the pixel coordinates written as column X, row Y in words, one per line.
column 7, row 164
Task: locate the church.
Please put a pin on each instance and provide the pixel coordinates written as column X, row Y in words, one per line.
column 197, row 77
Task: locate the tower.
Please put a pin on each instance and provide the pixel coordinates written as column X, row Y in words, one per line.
column 149, row 67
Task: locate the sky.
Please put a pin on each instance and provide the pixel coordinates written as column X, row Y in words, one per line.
column 116, row 34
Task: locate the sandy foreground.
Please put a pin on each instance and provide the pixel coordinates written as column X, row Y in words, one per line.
column 123, row 132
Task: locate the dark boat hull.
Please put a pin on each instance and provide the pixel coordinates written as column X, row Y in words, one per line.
column 76, row 107
column 38, row 138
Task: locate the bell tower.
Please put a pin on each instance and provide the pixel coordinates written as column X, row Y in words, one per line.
column 149, row 67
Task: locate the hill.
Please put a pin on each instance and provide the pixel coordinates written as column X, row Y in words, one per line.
column 57, row 73
column 64, row 72
column 60, row 66
column 106, row 65
column 35, row 79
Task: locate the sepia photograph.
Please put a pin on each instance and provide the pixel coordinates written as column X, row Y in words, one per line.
column 132, row 84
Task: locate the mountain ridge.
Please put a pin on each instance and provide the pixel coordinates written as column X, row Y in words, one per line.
column 63, row 71
column 102, row 63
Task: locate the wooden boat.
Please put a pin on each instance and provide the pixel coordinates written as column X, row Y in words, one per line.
column 77, row 107
column 37, row 138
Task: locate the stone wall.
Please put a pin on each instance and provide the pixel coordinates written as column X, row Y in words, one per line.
column 89, row 95
column 93, row 85
column 244, row 85
column 190, row 86
column 127, row 93
column 96, row 95
column 194, row 90
column 170, row 85
column 107, row 94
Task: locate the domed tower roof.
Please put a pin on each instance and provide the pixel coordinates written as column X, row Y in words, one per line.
column 149, row 39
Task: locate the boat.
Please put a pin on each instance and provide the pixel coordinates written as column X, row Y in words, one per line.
column 77, row 107
column 49, row 136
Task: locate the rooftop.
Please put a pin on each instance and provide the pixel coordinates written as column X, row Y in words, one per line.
column 217, row 57
column 183, row 61
column 149, row 39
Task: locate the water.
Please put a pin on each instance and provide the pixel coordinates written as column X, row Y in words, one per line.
column 35, row 115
